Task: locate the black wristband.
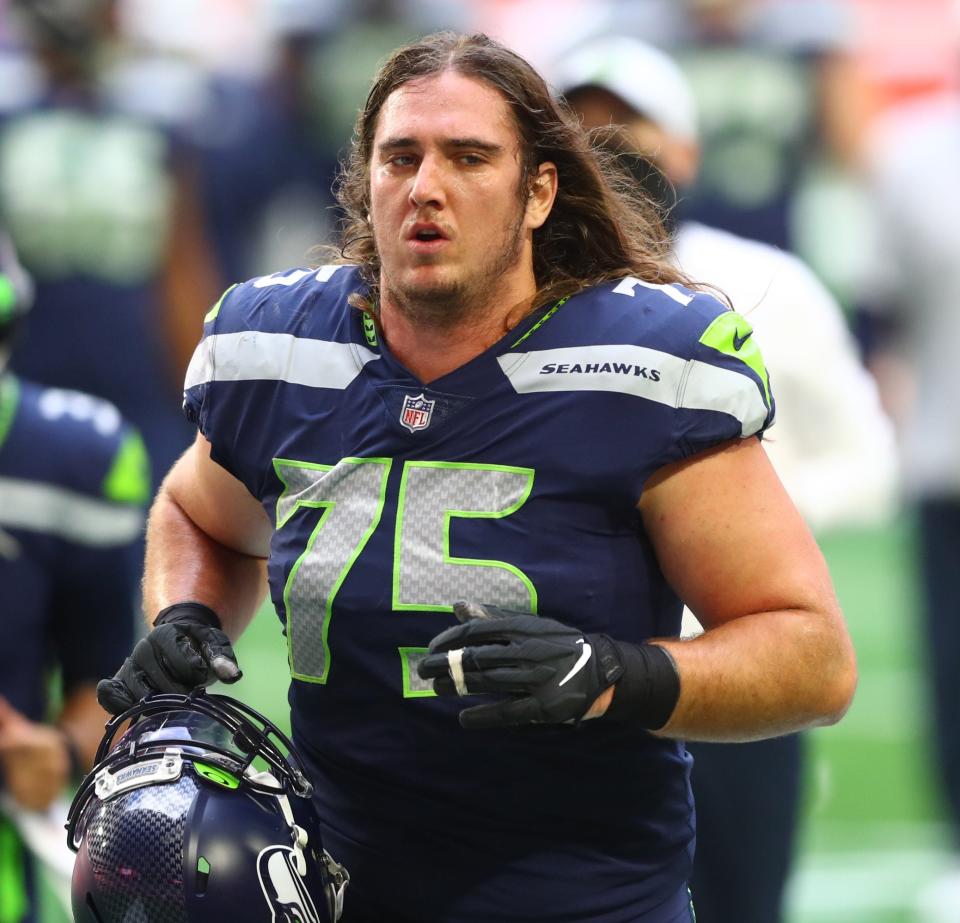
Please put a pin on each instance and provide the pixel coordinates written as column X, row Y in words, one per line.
column 190, row 612
column 649, row 688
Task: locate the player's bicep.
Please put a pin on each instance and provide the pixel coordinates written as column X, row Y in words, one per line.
column 729, row 539
column 217, row 502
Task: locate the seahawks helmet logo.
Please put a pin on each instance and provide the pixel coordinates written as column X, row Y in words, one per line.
column 284, row 889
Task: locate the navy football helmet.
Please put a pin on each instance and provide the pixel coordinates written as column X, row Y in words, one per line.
column 196, row 813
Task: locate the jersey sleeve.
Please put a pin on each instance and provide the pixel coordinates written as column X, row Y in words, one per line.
column 200, row 372
column 263, row 338
column 220, row 395
column 724, row 392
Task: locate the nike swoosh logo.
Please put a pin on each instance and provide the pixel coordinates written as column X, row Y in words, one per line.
column 738, row 340
column 585, row 655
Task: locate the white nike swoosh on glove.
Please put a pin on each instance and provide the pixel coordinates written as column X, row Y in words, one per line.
column 585, row 655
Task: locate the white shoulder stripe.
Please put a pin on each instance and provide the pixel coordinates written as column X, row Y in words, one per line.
column 642, row 372
column 66, row 514
column 251, row 356
column 710, row 387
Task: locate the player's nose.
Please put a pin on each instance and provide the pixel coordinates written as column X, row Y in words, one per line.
column 428, row 183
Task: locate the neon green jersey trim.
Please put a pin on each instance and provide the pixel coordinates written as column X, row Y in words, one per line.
column 8, row 298
column 732, row 335
column 413, row 686
column 9, row 401
column 13, row 894
column 369, row 330
column 542, row 321
column 215, row 310
column 128, row 480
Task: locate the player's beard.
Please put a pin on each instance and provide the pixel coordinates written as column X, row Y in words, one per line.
column 445, row 305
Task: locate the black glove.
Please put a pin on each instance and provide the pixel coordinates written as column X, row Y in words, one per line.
column 552, row 673
column 186, row 648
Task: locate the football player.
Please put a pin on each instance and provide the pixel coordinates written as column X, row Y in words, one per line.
column 479, row 459
column 73, row 485
column 96, row 189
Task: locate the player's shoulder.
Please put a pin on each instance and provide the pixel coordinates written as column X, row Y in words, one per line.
column 670, row 317
column 307, row 302
column 76, row 442
column 662, row 341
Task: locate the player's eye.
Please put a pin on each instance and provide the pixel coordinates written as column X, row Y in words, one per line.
column 471, row 160
column 401, row 160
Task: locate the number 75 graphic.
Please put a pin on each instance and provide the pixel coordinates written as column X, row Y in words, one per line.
column 426, row 577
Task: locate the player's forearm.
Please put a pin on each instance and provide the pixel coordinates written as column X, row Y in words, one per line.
column 184, row 563
column 762, row 675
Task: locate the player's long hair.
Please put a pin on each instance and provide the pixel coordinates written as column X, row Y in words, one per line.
column 602, row 226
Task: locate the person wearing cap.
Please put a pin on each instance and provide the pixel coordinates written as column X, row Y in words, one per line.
column 832, row 447
column 73, row 484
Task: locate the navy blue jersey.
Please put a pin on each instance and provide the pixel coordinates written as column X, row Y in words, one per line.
column 512, row 480
column 73, row 484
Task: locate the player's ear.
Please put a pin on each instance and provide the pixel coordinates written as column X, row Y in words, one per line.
column 543, row 190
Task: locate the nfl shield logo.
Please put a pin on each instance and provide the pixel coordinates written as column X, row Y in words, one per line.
column 416, row 412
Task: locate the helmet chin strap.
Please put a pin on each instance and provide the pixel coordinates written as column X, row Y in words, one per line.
column 300, row 837
column 338, row 875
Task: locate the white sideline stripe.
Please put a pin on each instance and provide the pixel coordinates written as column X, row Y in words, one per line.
column 254, row 356
column 686, row 384
column 830, row 886
column 66, row 514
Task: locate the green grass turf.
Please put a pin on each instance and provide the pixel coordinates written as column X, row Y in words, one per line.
column 873, row 833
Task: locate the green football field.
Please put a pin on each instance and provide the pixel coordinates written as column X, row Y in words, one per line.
column 872, row 833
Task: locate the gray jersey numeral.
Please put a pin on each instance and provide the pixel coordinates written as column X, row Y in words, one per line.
column 351, row 495
column 426, row 576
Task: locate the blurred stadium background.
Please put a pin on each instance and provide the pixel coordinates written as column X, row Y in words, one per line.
column 265, row 92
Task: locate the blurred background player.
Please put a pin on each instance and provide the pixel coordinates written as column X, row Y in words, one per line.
column 283, row 114
column 73, row 484
column 782, row 104
column 97, row 193
column 832, row 445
